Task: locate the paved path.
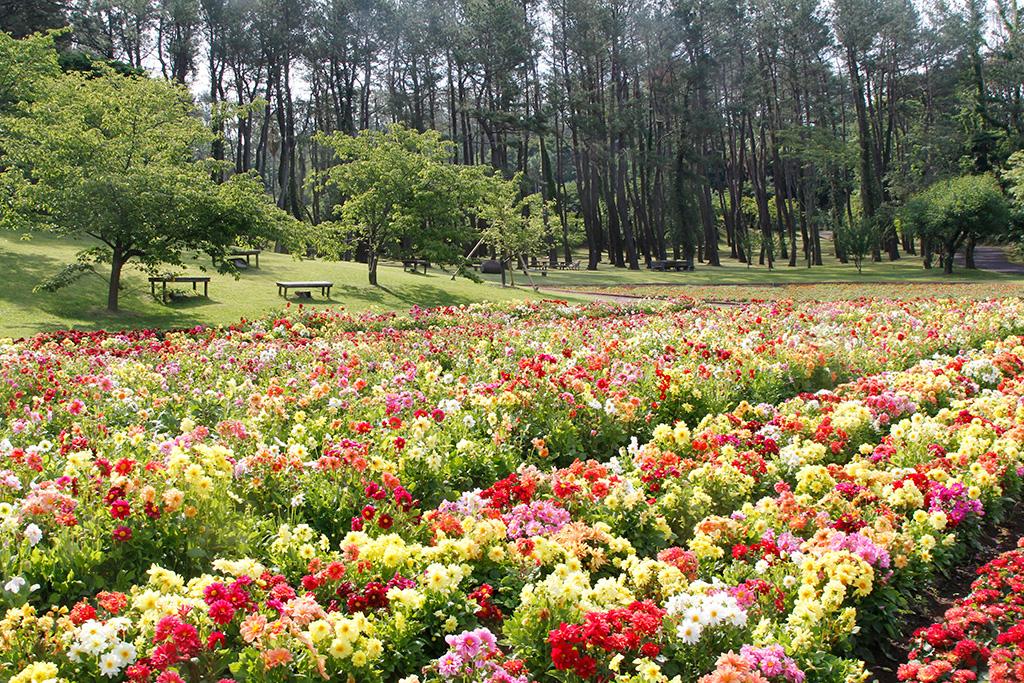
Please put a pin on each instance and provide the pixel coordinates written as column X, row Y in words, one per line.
column 992, row 258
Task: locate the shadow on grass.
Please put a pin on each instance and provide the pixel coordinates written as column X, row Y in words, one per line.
column 81, row 304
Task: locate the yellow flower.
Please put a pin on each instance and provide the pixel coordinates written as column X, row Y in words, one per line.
column 374, row 648
column 318, row 630
column 340, row 649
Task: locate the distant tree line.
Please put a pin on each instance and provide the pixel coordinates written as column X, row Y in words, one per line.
column 693, row 129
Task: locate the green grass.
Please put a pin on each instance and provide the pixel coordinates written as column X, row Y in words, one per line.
column 82, row 305
column 26, row 263
column 907, row 269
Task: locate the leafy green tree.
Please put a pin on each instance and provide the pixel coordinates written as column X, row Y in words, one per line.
column 515, row 226
column 950, row 212
column 24, row 64
column 857, row 238
column 113, row 159
column 1014, row 176
column 401, row 196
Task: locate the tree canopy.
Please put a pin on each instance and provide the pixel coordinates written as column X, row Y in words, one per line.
column 398, row 195
column 952, row 211
column 115, row 160
column 704, row 129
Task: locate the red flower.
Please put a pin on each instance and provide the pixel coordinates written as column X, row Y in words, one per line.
column 221, row 612
column 120, row 509
column 81, row 613
column 113, row 602
column 122, row 533
column 650, row 650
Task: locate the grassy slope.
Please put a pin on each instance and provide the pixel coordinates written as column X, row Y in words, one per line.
column 23, row 264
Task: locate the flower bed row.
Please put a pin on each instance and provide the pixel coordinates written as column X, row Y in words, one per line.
column 981, row 637
column 656, row 564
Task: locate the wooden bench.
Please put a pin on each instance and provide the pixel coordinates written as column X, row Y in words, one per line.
column 575, row 265
column 246, row 254
column 542, row 269
column 194, row 279
column 323, row 286
column 236, row 254
column 412, row 264
column 667, row 264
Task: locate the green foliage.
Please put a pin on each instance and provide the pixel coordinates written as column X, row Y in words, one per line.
column 857, row 238
column 113, row 158
column 401, row 197
column 951, row 211
column 515, row 226
column 1014, row 177
column 76, row 60
column 24, row 65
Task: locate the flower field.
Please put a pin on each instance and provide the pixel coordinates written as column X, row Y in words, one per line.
column 530, row 493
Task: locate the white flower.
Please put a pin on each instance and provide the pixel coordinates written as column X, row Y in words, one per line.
column 125, row 653
column 14, row 585
column 33, row 533
column 689, row 632
column 109, row 666
column 93, row 644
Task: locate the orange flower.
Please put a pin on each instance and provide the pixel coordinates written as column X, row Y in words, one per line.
column 278, row 656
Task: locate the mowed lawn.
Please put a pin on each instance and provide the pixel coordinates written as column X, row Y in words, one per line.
column 24, row 264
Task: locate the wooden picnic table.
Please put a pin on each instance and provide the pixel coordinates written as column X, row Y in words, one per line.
column 322, row 285
column 414, row 263
column 194, row 279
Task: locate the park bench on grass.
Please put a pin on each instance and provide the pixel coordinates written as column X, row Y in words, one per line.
column 194, row 279
column 236, row 254
column 575, row 265
column 667, row 264
column 323, row 286
column 412, row 264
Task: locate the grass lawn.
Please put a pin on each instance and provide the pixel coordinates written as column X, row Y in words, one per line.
column 24, row 264
column 907, row 269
